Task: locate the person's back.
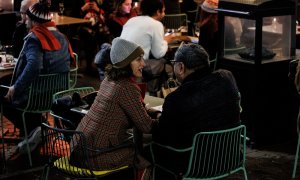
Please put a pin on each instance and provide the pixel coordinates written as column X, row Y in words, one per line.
column 147, row 30
column 143, row 31
column 35, row 60
column 45, row 50
column 205, row 101
column 117, row 107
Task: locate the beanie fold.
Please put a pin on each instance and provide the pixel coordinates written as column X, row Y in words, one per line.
column 135, row 54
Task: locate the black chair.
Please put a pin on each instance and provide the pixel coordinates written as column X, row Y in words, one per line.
column 58, row 144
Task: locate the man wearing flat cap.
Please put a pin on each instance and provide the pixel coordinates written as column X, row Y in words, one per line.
column 205, row 101
column 45, row 51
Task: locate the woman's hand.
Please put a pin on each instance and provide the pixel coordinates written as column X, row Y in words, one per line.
column 85, row 7
column 94, row 6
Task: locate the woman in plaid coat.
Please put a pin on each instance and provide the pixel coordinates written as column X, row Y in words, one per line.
column 118, row 107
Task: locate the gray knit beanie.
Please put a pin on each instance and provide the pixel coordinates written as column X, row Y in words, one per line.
column 123, row 52
column 192, row 55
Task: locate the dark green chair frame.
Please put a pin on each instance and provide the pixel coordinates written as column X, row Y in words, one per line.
column 213, row 155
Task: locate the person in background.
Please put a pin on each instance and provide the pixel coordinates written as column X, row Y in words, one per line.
column 45, row 51
column 91, row 35
column 122, row 13
column 147, row 31
column 21, row 30
column 209, row 29
column 205, row 101
column 117, row 107
column 172, row 6
column 102, row 59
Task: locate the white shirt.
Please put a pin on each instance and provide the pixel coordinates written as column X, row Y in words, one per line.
column 147, row 33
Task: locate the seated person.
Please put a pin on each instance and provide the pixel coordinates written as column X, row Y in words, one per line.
column 102, row 59
column 45, row 51
column 122, row 13
column 205, row 101
column 117, row 107
column 91, row 35
column 147, row 31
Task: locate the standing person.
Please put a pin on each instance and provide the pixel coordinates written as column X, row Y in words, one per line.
column 147, row 31
column 205, row 101
column 117, row 108
column 45, row 51
column 21, row 30
column 208, row 38
column 122, row 13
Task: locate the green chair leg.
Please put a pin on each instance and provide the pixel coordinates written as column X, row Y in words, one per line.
column 296, row 157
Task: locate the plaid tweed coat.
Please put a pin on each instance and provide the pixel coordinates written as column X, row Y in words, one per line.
column 116, row 108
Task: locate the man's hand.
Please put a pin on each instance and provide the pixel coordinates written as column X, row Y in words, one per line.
column 10, row 93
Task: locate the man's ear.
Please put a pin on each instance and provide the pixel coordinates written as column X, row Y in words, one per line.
column 181, row 68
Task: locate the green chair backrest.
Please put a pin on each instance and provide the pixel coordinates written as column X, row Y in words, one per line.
column 42, row 89
column 174, row 21
column 217, row 154
column 59, row 119
column 73, row 72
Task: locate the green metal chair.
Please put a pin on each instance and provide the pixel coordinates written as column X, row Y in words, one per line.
column 58, row 144
column 40, row 95
column 296, row 157
column 74, row 72
column 175, row 21
column 60, row 120
column 213, row 155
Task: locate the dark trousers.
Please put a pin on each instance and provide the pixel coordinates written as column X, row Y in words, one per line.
column 14, row 115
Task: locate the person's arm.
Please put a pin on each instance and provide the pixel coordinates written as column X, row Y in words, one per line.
column 34, row 58
column 159, row 46
column 130, row 101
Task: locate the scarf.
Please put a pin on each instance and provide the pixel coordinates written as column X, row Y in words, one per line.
column 48, row 41
column 122, row 19
column 140, row 86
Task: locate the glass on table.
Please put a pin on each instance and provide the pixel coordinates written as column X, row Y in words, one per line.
column 61, row 7
column 9, row 53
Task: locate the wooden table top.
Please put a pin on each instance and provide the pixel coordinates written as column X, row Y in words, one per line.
column 66, row 20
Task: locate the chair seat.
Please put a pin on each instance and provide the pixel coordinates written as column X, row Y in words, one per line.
column 63, row 165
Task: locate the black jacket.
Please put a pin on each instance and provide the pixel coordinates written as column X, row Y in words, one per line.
column 205, row 101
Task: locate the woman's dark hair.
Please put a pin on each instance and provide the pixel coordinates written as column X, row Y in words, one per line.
column 118, row 73
column 118, row 4
column 149, row 7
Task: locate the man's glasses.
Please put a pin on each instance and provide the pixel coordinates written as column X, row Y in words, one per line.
column 173, row 62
